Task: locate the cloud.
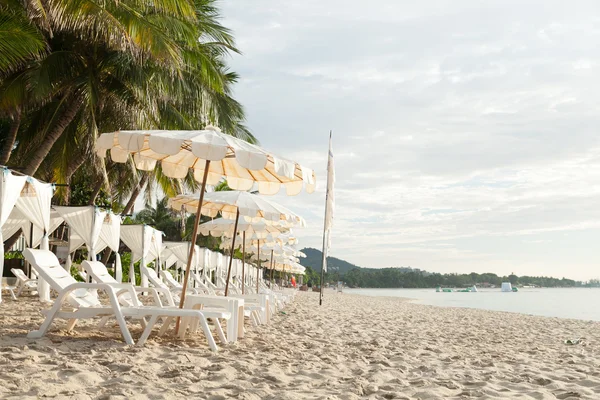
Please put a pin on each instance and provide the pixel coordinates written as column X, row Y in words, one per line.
column 457, row 124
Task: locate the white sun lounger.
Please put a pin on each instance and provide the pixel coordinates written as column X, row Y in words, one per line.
column 81, row 296
column 256, row 306
column 99, row 273
column 168, row 279
column 23, row 282
column 156, row 282
column 201, row 285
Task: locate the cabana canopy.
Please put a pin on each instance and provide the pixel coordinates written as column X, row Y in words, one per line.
column 110, row 236
column 29, row 201
column 145, row 244
column 86, row 222
column 10, row 189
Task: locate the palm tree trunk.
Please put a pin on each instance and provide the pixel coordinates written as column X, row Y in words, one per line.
column 12, row 136
column 96, row 191
column 106, row 255
column 76, row 162
column 68, row 114
column 136, row 192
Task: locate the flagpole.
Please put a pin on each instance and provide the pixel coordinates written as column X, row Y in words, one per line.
column 324, row 260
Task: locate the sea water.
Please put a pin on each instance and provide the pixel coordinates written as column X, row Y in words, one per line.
column 576, row 303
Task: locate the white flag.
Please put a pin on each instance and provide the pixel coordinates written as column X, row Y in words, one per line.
column 329, row 206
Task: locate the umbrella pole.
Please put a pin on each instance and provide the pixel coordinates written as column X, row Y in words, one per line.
column 258, row 268
column 193, row 243
column 237, row 218
column 243, row 260
column 272, row 269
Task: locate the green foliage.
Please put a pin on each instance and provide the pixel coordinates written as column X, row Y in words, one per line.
column 71, row 69
column 311, row 277
column 399, row 278
column 125, row 263
column 163, row 218
column 340, row 270
column 81, row 193
column 11, row 255
column 75, row 274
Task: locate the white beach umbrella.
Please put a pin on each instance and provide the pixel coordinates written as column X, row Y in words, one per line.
column 211, row 155
column 235, row 204
column 279, row 250
column 252, row 207
column 222, row 227
column 251, row 240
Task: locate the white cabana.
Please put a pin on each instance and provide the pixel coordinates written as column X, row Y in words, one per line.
column 34, row 203
column 86, row 222
column 145, row 244
column 75, row 242
column 15, row 221
column 10, row 189
column 179, row 252
column 110, row 236
column 38, row 234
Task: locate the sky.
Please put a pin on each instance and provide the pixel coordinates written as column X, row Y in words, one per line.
column 466, row 135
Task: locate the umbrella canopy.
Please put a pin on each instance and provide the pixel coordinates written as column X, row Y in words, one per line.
column 252, row 207
column 211, row 155
column 279, row 250
column 224, row 227
column 229, row 228
column 285, row 238
column 240, row 162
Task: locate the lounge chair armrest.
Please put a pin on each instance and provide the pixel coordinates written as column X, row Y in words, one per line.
column 110, row 288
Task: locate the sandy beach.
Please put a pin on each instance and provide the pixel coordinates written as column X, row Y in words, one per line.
column 352, row 347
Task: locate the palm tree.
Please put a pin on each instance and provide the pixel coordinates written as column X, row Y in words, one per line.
column 161, row 217
column 125, row 69
column 20, row 39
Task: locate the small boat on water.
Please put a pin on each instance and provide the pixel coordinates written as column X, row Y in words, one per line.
column 507, row 287
column 472, row 289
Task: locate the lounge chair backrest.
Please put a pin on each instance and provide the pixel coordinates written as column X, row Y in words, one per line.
column 152, row 277
column 100, row 274
column 234, row 288
column 170, row 280
column 249, row 289
column 202, row 286
column 19, row 274
column 210, row 284
column 48, row 268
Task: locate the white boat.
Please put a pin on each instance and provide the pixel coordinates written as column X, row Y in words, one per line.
column 506, row 287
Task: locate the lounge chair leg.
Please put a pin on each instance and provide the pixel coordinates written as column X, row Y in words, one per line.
column 148, row 330
column 208, row 334
column 12, row 293
column 220, row 331
column 185, row 322
column 103, row 322
column 120, row 318
column 71, row 324
column 47, row 322
column 165, row 326
column 21, row 287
